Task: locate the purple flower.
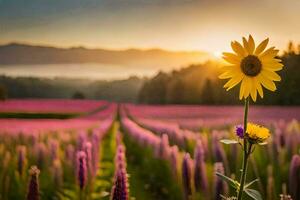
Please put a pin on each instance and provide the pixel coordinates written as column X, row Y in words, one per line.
column 88, row 151
column 220, row 186
column 239, row 130
column 187, row 175
column 294, row 177
column 33, row 189
column 120, row 187
column 81, row 169
column 200, row 177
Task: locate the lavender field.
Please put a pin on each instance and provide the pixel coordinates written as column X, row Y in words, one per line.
column 129, row 151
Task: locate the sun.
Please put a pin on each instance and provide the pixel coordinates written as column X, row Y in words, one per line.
column 217, row 54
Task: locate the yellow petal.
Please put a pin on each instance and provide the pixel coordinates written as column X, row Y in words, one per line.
column 251, row 45
column 248, row 86
column 228, row 67
column 274, row 66
column 231, row 58
column 269, row 53
column 238, row 48
column 233, row 82
column 246, row 46
column 253, row 91
column 258, row 87
column 271, row 75
column 242, row 89
column 230, row 73
column 268, row 84
column 261, row 47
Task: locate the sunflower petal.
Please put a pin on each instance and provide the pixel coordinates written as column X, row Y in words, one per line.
column 261, row 47
column 253, row 90
column 238, row 48
column 233, row 82
column 224, row 68
column 251, row 44
column 231, row 58
column 269, row 53
column 268, row 84
column 274, row 66
column 248, row 86
column 230, row 73
column 271, row 75
column 246, row 46
column 258, row 87
column 242, row 89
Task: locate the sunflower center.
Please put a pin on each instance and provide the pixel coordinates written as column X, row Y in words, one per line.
column 251, row 65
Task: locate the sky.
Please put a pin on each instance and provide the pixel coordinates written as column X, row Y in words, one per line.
column 207, row 25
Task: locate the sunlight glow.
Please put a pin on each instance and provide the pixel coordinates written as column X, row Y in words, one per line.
column 217, row 54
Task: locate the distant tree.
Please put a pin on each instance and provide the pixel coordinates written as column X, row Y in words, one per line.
column 3, row 93
column 207, row 96
column 154, row 90
column 78, row 95
column 291, row 48
column 175, row 92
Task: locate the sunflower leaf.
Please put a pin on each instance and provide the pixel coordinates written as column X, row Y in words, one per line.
column 227, row 141
column 230, row 181
column 262, row 143
column 250, row 183
column 254, row 194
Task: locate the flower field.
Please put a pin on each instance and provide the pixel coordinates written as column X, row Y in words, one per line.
column 143, row 152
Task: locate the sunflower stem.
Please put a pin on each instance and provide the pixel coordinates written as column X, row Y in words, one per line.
column 246, row 152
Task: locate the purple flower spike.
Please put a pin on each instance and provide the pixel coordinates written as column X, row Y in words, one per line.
column 187, row 175
column 120, row 188
column 239, row 130
column 294, row 179
column 220, row 187
column 200, row 177
column 81, row 169
column 33, row 190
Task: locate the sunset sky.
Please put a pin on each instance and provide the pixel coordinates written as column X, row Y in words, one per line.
column 206, row 25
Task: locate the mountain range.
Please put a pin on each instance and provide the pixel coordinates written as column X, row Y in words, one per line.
column 25, row 54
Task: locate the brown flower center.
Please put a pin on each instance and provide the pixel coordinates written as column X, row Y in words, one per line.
column 251, row 65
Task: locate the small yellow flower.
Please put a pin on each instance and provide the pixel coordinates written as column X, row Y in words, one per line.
column 256, row 133
column 253, row 66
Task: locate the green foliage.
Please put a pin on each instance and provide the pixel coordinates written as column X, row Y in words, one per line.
column 3, row 93
column 150, row 177
column 233, row 183
column 254, row 194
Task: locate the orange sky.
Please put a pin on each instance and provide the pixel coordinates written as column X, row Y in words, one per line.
column 207, row 25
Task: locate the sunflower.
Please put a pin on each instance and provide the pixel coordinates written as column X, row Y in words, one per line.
column 253, row 66
column 256, row 133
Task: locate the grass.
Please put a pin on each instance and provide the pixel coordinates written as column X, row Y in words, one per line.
column 150, row 177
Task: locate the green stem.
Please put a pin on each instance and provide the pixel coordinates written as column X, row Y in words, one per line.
column 246, row 152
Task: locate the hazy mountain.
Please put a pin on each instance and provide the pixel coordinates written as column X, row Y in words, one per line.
column 16, row 53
